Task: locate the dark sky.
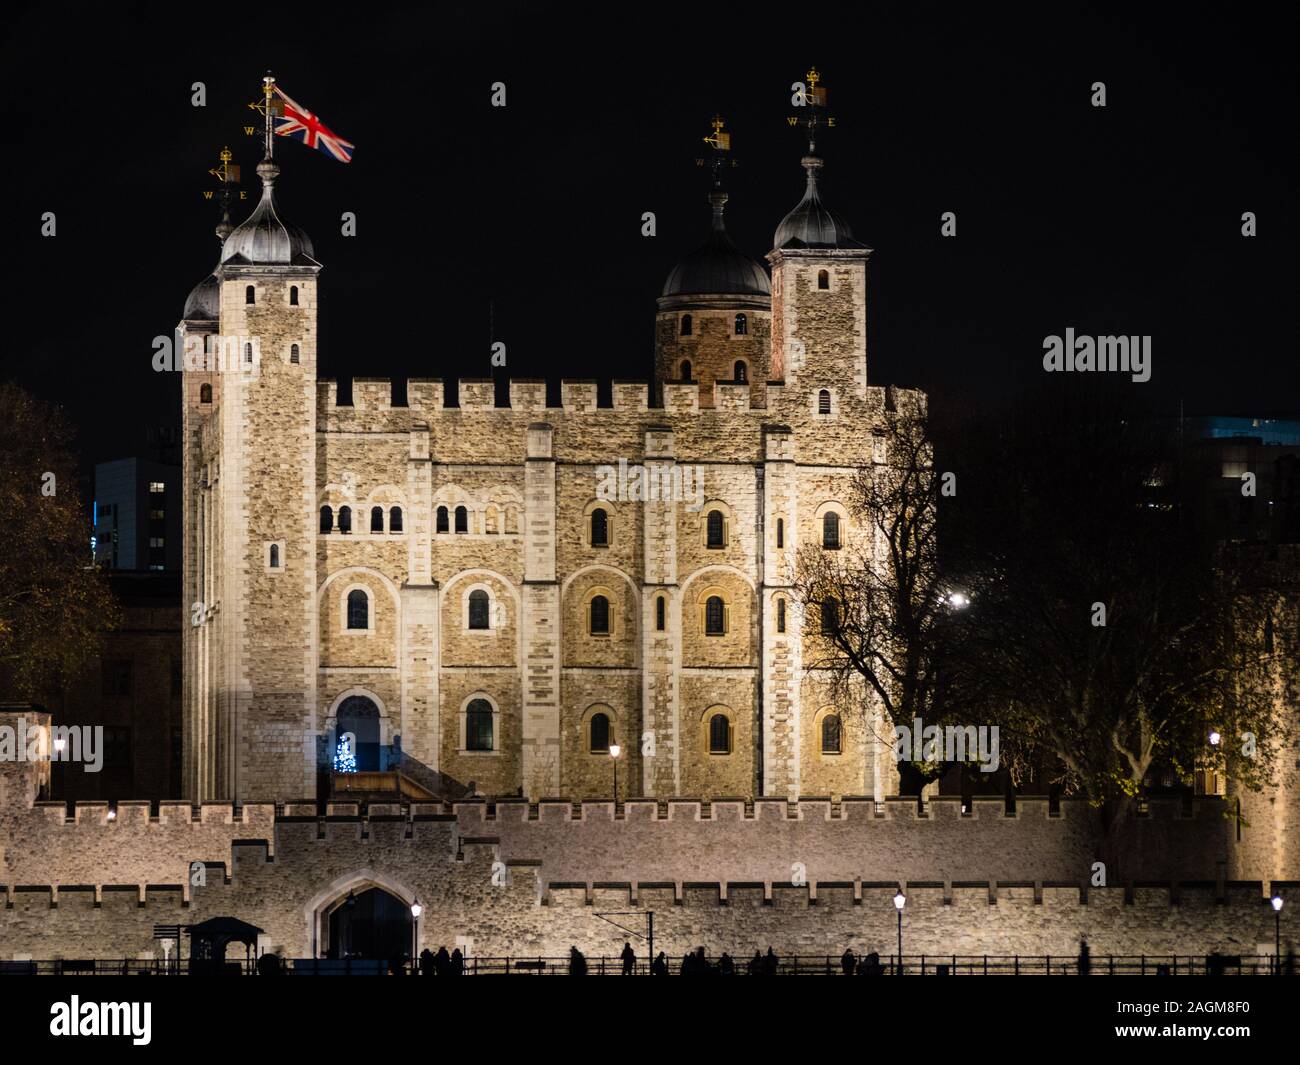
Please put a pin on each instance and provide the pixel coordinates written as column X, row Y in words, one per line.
column 1117, row 220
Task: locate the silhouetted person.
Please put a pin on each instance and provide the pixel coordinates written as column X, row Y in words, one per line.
column 629, row 959
column 870, row 965
column 847, row 962
column 442, row 962
column 396, row 967
column 426, row 962
column 688, row 965
column 702, row 966
column 770, row 963
column 269, row 965
column 577, row 963
column 659, row 967
column 1288, row 966
column 755, row 966
column 726, row 966
column 1163, row 970
column 457, row 963
column 1085, row 958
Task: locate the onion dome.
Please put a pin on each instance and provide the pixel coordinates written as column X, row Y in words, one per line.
column 718, row 267
column 264, row 238
column 204, row 303
column 812, row 224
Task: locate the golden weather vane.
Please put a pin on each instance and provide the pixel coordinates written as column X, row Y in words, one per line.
column 720, row 142
column 811, row 99
column 270, row 108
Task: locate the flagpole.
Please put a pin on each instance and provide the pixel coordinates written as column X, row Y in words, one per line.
column 268, row 89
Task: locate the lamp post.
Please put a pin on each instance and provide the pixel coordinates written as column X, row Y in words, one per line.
column 416, row 910
column 1276, row 902
column 900, row 900
column 614, row 751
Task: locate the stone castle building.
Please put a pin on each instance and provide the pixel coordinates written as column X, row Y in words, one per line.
column 445, row 582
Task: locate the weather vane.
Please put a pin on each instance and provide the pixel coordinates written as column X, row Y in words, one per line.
column 270, row 108
column 228, row 176
column 720, row 142
column 811, row 99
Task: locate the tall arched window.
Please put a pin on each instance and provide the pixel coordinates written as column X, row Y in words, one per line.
column 715, row 616
column 478, row 726
column 830, row 617
column 601, row 734
column 275, row 556
column 599, row 615
column 441, row 520
column 686, row 371
column 823, row 402
column 660, row 611
column 742, row 325
column 831, row 530
column 831, row 734
column 293, row 295
column 741, row 373
column 205, row 393
column 719, row 734
column 250, row 294
column 326, row 519
column 462, row 520
column 599, row 528
column 715, row 529
column 345, row 519
column 823, row 279
column 780, row 533
column 686, row 325
column 780, row 615
column 293, row 353
column 479, row 614
column 358, row 609
column 376, row 519
column 248, row 353
column 395, row 519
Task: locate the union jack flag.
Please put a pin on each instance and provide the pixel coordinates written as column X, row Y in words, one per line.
column 297, row 121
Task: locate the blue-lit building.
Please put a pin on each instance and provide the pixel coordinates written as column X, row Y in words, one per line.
column 137, row 515
column 1249, row 469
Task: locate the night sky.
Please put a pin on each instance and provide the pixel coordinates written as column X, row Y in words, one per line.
column 523, row 224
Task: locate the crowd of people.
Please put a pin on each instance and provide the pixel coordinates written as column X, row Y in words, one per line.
column 698, row 963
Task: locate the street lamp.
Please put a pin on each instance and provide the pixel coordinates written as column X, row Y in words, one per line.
column 416, row 910
column 614, row 751
column 1276, row 901
column 900, row 900
column 1214, row 737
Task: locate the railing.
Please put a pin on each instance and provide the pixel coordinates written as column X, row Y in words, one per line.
column 789, row 965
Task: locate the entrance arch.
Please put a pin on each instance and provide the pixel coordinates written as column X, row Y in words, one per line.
column 371, row 923
column 359, row 715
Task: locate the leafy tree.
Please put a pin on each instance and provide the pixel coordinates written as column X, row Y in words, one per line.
column 53, row 602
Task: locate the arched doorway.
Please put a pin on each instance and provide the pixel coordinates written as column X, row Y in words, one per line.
column 369, row 924
column 360, row 716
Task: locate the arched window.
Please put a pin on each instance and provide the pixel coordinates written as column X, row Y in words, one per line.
column 462, row 520
column 780, row 615
column 686, row 371
column 275, row 556
column 742, row 373
column 1268, row 633
column 742, row 325
column 248, row 352
column 395, row 519
column 345, row 519
column 823, row 402
column 686, row 325
column 780, row 533
column 478, row 609
column 293, row 353
column 326, row 519
column 599, row 528
column 831, row 734
column 599, row 615
column 441, row 519
column 601, row 734
column 293, row 295
column 823, row 279
column 358, row 609
column 715, row 529
column 205, row 393
column 376, row 519
column 660, row 611
column 831, row 531
column 715, row 616
column 249, row 294
column 478, row 725
column 719, row 734
column 830, row 617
